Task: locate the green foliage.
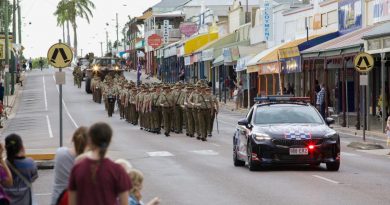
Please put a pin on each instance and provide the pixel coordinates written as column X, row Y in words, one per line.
column 2, row 15
column 36, row 65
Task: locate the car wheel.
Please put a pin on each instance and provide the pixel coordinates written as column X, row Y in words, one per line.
column 333, row 166
column 88, row 86
column 237, row 162
column 251, row 165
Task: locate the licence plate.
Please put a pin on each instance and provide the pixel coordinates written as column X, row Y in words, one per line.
column 299, row 151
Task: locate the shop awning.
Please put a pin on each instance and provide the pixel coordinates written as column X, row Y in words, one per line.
column 345, row 44
column 241, row 63
column 252, row 64
column 378, row 39
column 218, row 61
column 194, row 43
column 380, row 30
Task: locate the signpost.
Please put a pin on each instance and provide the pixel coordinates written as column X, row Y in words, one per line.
column 60, row 56
column 364, row 63
column 154, row 41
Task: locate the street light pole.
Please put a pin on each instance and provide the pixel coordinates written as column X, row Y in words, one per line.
column 19, row 23
column 117, row 32
column 13, row 54
column 6, row 12
column 101, row 48
column 107, row 41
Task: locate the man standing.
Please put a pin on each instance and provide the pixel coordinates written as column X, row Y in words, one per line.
column 156, row 110
column 178, row 96
column 204, row 107
column 190, row 130
column 166, row 102
column 321, row 100
column 192, row 101
column 214, row 111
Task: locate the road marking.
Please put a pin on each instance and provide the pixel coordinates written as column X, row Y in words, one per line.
column 349, row 154
column 205, row 152
column 66, row 107
column 367, row 137
column 44, row 91
column 49, row 127
column 217, row 145
column 326, row 179
column 160, row 154
column 43, row 194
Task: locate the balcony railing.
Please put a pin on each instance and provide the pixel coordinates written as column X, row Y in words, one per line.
column 173, row 33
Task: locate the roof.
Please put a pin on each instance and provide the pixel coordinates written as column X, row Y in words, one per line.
column 258, row 57
column 169, row 4
column 378, row 31
column 218, row 2
column 170, row 14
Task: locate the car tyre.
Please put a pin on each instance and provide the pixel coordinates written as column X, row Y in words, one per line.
column 251, row 165
column 333, row 166
column 88, row 85
column 237, row 162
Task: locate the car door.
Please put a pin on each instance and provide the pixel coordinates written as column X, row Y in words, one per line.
column 244, row 133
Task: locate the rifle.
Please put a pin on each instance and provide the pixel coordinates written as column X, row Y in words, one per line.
column 216, row 117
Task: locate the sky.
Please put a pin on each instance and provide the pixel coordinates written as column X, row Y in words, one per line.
column 43, row 31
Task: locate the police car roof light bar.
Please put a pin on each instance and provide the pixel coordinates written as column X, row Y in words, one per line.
column 281, row 98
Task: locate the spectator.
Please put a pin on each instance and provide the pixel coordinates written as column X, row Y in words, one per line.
column 96, row 179
column 321, row 100
column 1, row 113
column 30, row 64
column 5, row 178
column 125, row 164
column 237, row 95
column 135, row 195
column 24, row 171
column 64, row 162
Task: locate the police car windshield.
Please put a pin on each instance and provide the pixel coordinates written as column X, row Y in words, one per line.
column 282, row 114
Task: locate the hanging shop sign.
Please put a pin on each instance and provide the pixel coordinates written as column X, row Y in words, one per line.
column 289, row 52
column 187, row 60
column 166, row 28
column 188, row 28
column 350, row 15
column 291, row 65
column 227, row 55
column 363, row 62
column 269, row 68
column 267, row 19
column 235, row 53
column 208, row 55
column 154, row 41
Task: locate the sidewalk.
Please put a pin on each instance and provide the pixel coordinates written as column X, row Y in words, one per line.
column 9, row 105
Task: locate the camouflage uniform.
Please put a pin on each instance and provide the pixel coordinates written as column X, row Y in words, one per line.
column 166, row 102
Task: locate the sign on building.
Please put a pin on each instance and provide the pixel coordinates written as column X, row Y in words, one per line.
column 166, row 31
column 350, row 15
column 188, row 28
column 267, row 20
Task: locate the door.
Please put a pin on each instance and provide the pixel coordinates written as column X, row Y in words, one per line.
column 244, row 134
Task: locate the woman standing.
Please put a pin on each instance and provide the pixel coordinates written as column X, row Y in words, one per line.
column 64, row 161
column 96, row 179
column 24, row 171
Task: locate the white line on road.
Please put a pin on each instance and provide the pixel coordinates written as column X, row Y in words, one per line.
column 205, row 152
column 217, row 145
column 49, row 127
column 349, row 154
column 160, row 154
column 44, row 91
column 326, row 179
column 66, row 107
column 43, row 194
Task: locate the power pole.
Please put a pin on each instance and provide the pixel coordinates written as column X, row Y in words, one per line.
column 13, row 54
column 107, row 41
column 117, row 33
column 19, row 23
column 101, row 48
column 6, row 31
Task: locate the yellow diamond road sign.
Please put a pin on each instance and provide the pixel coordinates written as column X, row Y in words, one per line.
column 363, row 62
column 60, row 55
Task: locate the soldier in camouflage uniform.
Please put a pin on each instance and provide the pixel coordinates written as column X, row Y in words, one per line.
column 156, row 110
column 194, row 110
column 178, row 96
column 133, row 113
column 188, row 110
column 111, row 98
column 139, row 106
column 166, row 102
column 214, row 111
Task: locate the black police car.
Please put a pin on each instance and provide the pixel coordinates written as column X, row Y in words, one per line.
column 285, row 130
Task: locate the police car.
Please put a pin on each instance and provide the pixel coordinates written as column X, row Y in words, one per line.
column 285, row 130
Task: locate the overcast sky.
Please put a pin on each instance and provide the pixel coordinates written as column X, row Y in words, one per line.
column 43, row 31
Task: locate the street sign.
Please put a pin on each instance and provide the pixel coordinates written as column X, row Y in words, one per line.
column 154, row 41
column 363, row 79
column 60, row 78
column 363, row 62
column 60, row 55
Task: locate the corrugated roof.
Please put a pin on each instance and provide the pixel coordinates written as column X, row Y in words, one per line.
column 219, row 2
column 383, row 29
column 169, row 4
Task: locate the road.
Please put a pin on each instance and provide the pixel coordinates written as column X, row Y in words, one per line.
column 181, row 170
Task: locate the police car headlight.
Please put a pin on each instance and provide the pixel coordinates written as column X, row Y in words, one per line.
column 261, row 137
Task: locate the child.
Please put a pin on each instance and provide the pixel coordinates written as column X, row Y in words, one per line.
column 135, row 195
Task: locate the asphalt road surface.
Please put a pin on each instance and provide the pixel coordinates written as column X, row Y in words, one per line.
column 181, row 170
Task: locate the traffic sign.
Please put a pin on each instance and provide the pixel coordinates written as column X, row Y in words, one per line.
column 363, row 62
column 60, row 55
column 154, row 41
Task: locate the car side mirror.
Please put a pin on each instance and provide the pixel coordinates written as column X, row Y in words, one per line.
column 244, row 122
column 329, row 120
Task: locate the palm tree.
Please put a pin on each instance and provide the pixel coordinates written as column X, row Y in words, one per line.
column 82, row 9
column 74, row 9
column 62, row 18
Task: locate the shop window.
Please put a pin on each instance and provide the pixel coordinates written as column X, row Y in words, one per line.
column 332, row 17
column 374, row 44
column 324, row 22
column 386, row 43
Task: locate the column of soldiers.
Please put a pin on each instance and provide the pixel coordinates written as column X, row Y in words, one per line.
column 156, row 107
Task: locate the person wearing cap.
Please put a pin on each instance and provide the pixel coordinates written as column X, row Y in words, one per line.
column 139, row 105
column 178, row 96
column 111, row 98
column 214, row 111
column 121, row 99
column 204, row 109
column 133, row 113
column 192, row 101
column 166, row 102
column 146, row 108
column 188, row 110
column 156, row 110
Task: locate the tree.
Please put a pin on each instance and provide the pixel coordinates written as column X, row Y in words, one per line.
column 2, row 15
column 62, row 18
column 75, row 9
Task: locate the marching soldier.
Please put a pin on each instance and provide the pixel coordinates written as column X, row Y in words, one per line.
column 111, row 98
column 133, row 113
column 194, row 113
column 178, row 96
column 122, row 96
column 156, row 110
column 202, row 100
column 214, row 111
column 139, row 106
column 188, row 110
column 166, row 102
column 75, row 75
column 147, row 109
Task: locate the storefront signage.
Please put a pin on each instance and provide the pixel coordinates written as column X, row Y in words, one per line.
column 208, row 54
column 381, row 10
column 188, row 28
column 2, row 48
column 235, row 53
column 289, row 52
column 350, row 15
column 180, row 51
column 196, row 58
column 317, row 22
column 154, row 41
column 267, row 20
column 363, row 62
column 187, row 60
column 291, row 65
column 166, row 31
column 227, row 55
column 269, row 68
